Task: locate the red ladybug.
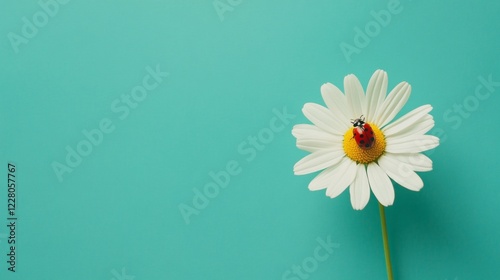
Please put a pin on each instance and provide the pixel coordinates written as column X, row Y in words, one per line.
column 362, row 133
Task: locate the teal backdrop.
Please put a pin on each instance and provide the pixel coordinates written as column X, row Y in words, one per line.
column 152, row 139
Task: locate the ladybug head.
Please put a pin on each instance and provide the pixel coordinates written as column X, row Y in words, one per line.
column 359, row 122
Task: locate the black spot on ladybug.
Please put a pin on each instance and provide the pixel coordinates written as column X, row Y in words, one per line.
column 372, row 139
column 361, row 135
column 362, row 142
column 367, row 145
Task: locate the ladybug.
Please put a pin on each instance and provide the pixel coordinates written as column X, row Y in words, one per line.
column 362, row 133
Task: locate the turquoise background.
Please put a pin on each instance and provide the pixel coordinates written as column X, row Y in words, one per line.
column 119, row 208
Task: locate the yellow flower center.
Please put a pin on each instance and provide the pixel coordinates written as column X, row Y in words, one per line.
column 364, row 155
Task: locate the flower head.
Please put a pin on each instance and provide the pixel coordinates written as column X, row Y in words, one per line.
column 355, row 144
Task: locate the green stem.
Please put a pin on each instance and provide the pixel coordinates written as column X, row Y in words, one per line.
column 386, row 242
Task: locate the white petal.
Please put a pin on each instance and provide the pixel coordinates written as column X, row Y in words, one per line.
column 313, row 145
column 342, row 178
column 411, row 144
column 355, row 96
column 418, row 162
column 420, row 128
column 407, row 121
column 336, row 102
column 317, row 161
column 322, row 118
column 310, row 138
column 401, row 173
column 309, row 131
column 380, row 184
column 360, row 189
column 375, row 93
column 324, row 178
column 393, row 103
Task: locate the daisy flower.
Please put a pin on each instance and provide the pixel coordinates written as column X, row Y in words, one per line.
column 356, row 145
